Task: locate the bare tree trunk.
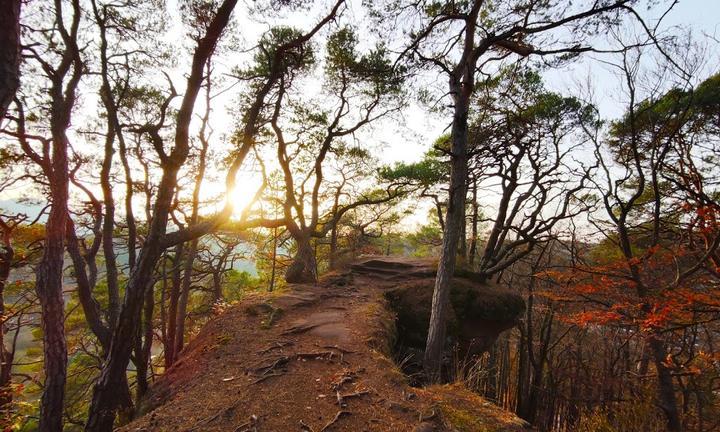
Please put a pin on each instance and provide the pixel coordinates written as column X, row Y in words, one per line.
column 144, row 346
column 172, row 314
column 461, row 85
column 163, row 298
column 101, row 415
column 475, row 219
column 111, row 271
column 491, row 387
column 6, row 356
column 105, row 400
column 9, row 83
column 666, row 390
column 523, row 374
column 302, row 269
column 217, row 287
column 462, row 249
column 90, row 306
column 129, row 215
column 192, row 251
column 49, row 285
column 333, row 248
column 184, row 297
column 451, row 235
column 439, row 212
column 9, row 53
column 218, row 273
column 274, row 260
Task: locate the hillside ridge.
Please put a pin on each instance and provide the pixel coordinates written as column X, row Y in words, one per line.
column 314, row 358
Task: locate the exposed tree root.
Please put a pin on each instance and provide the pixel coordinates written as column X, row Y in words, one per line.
column 342, row 398
column 346, row 378
column 338, row 416
column 300, row 329
column 337, row 348
column 315, row 355
column 266, row 376
column 249, row 426
column 282, row 361
column 199, row 425
column 270, row 370
column 305, row 427
column 276, row 345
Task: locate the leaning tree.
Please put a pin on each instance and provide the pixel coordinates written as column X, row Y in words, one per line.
column 363, row 88
column 459, row 41
column 172, row 160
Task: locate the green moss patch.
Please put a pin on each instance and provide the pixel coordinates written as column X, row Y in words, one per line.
column 464, row 411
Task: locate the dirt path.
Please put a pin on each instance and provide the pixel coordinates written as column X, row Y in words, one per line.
column 311, row 359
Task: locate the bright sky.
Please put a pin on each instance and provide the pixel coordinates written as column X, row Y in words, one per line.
column 405, row 137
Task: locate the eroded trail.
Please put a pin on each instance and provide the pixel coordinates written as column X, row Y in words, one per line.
column 315, row 358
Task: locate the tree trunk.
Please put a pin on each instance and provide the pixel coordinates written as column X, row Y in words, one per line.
column 666, row 388
column 90, row 306
column 144, row 347
column 106, row 94
column 217, row 287
column 9, row 83
column 6, row 356
column 274, row 260
column 192, row 251
column 463, row 247
column 523, row 374
column 129, row 215
column 113, row 376
column 173, row 308
column 302, row 269
column 475, row 219
column 111, row 271
column 491, row 385
column 101, row 415
column 49, row 284
column 333, row 248
column 9, row 53
column 105, row 401
column 451, row 235
column 534, row 393
column 184, row 297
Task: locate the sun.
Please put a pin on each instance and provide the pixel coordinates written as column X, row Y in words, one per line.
column 241, row 196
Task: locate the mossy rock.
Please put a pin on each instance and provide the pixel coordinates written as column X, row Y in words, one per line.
column 475, row 309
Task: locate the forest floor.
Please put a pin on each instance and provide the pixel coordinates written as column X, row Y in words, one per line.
column 313, row 358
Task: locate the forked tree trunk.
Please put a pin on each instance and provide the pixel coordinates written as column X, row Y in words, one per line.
column 105, row 400
column 101, row 416
column 302, row 269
